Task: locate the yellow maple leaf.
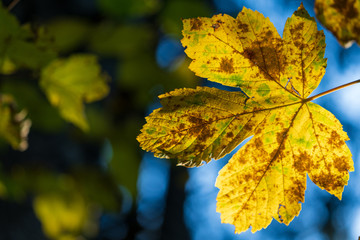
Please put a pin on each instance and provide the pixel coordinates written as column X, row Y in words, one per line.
column 292, row 136
column 341, row 17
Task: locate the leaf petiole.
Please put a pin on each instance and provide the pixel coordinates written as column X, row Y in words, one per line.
column 331, row 90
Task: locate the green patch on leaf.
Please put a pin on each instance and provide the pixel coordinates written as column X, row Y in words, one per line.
column 263, row 90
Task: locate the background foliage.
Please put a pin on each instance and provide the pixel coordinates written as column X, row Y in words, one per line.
column 97, row 184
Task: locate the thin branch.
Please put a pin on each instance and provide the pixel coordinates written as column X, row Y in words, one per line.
column 331, row 90
column 12, row 5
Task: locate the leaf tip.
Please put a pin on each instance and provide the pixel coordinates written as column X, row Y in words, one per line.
column 302, row 12
column 301, row 6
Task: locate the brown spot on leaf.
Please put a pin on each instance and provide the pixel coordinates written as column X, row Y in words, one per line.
column 243, row 27
column 301, row 162
column 196, row 24
column 229, row 135
column 269, row 34
column 296, row 33
column 248, row 53
column 341, row 164
column 321, row 126
column 328, row 181
column 279, row 137
column 181, row 126
column 346, row 8
column 248, row 127
column 247, row 177
column 215, row 26
column 356, row 29
column 199, row 147
column 335, row 140
column 196, row 120
column 206, row 133
column 227, row 65
column 258, row 143
column 296, row 192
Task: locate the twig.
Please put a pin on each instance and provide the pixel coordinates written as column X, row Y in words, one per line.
column 12, row 5
column 331, row 90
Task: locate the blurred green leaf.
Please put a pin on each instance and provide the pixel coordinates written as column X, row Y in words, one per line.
column 125, row 162
column 69, row 83
column 62, row 28
column 7, row 67
column 113, row 40
column 14, row 126
column 151, row 80
column 44, row 117
column 10, row 27
column 19, row 45
column 97, row 187
column 27, row 55
column 119, row 9
column 99, row 122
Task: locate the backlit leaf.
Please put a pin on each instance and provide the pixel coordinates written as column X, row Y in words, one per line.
column 196, row 125
column 14, row 126
column 341, row 17
column 69, row 83
column 292, row 137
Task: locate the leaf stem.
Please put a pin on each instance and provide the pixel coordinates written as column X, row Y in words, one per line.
column 331, row 90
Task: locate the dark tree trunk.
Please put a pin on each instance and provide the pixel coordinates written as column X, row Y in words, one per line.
column 174, row 227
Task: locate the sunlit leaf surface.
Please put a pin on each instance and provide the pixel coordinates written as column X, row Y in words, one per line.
column 292, row 137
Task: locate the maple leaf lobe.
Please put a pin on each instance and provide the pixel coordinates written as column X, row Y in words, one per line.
column 196, row 24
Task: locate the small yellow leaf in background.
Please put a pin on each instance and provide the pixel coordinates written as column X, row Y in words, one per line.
column 61, row 217
column 14, row 126
column 69, row 83
column 341, row 17
column 292, row 136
